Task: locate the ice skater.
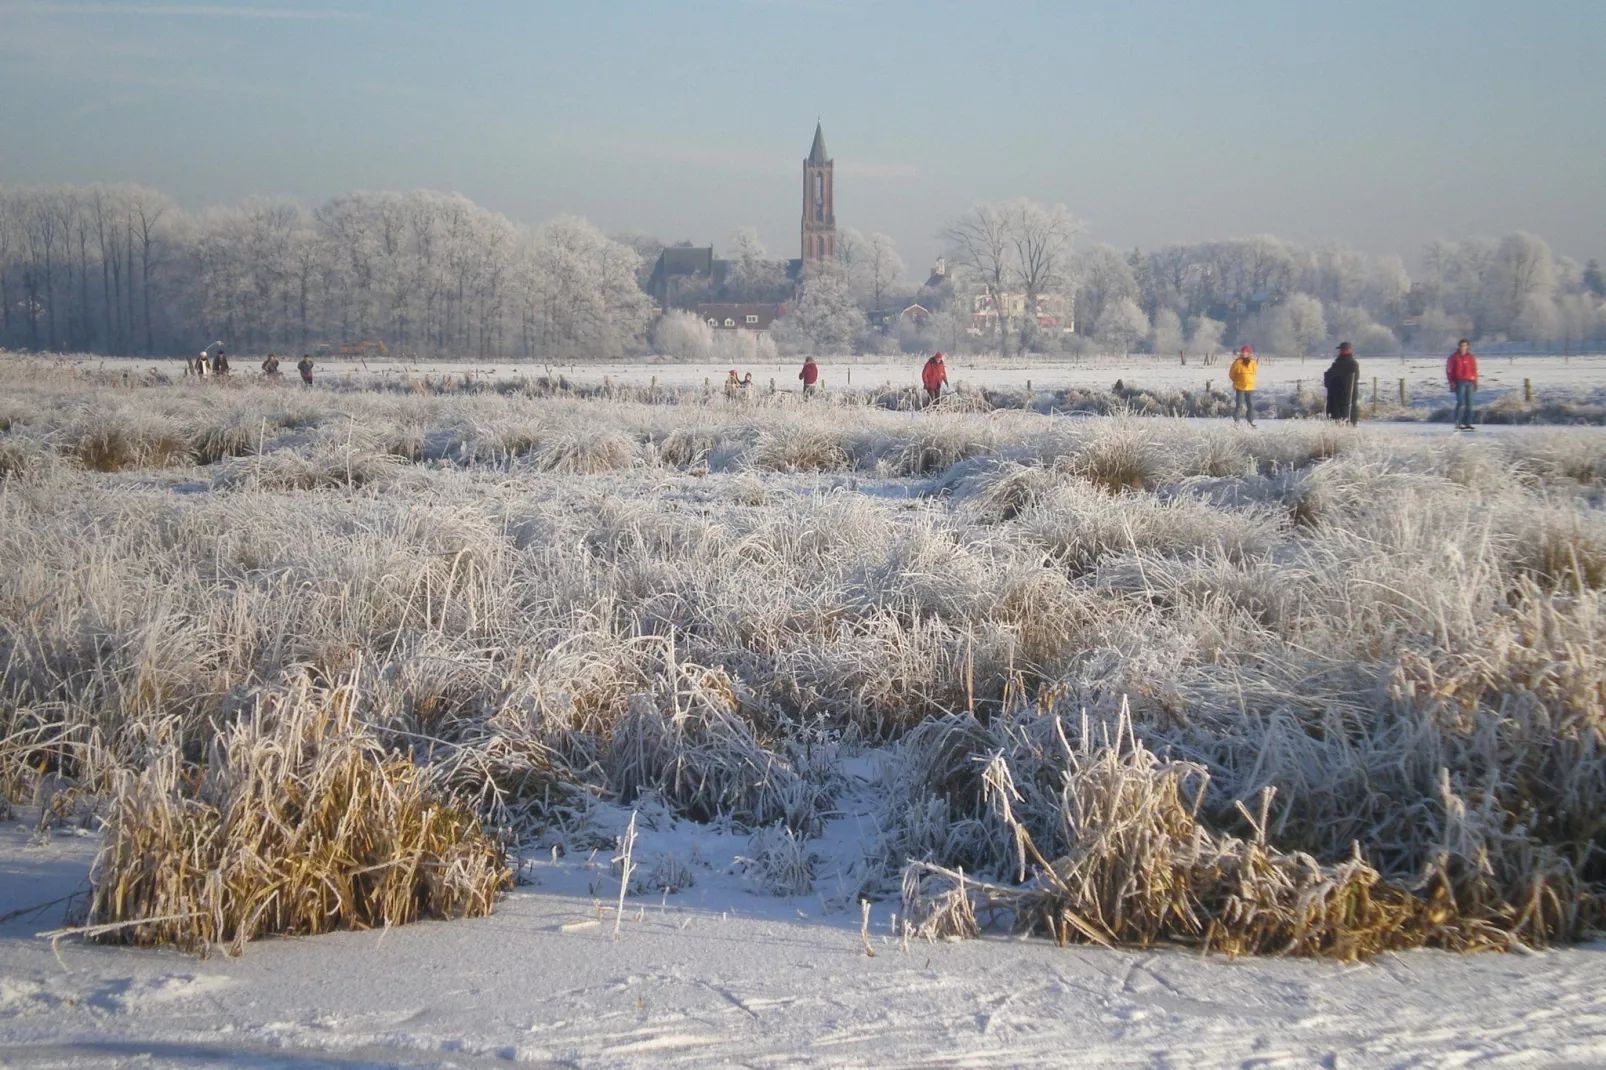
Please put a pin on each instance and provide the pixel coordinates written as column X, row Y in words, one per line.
column 933, row 377
column 809, row 375
column 1343, row 379
column 1242, row 374
column 1462, row 371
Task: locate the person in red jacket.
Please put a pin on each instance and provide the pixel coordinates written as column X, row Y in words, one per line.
column 1462, row 371
column 810, row 375
column 933, row 376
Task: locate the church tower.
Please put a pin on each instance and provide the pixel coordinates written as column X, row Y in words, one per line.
column 819, row 204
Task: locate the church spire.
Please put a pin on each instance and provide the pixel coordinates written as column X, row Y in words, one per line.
column 817, row 154
column 819, row 203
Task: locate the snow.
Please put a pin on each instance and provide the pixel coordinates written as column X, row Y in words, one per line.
column 719, row 974
column 1569, row 378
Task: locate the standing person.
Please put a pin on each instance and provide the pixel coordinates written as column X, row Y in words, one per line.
column 810, row 375
column 1462, row 371
column 220, row 363
column 304, row 366
column 733, row 383
column 1242, row 374
column 747, row 386
column 933, row 376
column 270, row 367
column 1343, row 379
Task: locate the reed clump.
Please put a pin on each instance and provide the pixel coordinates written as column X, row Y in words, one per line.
column 1130, row 861
column 297, row 822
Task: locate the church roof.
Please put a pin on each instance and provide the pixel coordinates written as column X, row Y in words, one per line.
column 817, row 150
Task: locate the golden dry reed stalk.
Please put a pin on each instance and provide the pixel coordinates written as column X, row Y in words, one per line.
column 299, row 822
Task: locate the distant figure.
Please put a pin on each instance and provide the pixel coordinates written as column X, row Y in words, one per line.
column 220, row 363
column 810, row 375
column 733, row 384
column 1242, row 374
column 933, row 376
column 1343, row 382
column 747, row 386
column 1462, row 371
column 304, row 366
column 270, row 367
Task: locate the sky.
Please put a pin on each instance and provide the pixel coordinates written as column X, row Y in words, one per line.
column 1376, row 123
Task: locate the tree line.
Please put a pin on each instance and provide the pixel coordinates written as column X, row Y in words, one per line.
column 125, row 270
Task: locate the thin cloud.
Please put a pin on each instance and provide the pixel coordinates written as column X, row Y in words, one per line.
column 242, row 11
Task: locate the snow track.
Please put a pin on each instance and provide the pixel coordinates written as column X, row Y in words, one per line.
column 722, row 977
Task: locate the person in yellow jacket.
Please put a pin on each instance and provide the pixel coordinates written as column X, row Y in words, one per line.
column 1242, row 374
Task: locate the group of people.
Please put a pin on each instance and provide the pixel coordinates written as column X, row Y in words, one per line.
column 1343, row 382
column 213, row 361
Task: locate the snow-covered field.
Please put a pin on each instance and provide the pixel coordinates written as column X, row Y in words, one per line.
column 804, row 645
column 719, row 976
column 1554, row 378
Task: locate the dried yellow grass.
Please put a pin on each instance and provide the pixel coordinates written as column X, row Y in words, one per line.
column 299, row 822
column 1143, row 869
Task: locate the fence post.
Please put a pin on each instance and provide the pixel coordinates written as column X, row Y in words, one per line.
column 1402, row 393
column 1527, row 390
column 850, row 376
column 772, row 386
column 1374, row 397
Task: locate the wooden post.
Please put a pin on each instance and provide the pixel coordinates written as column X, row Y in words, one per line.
column 1527, row 390
column 772, row 386
column 1374, row 396
column 1028, row 387
column 1402, row 393
column 850, row 376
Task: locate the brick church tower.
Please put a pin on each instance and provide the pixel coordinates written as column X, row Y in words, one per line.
column 819, row 204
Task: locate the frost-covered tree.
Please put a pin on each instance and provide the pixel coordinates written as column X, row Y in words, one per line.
column 1165, row 336
column 1521, row 270
column 583, row 292
column 1205, row 335
column 1104, row 277
column 683, row 335
column 1121, row 325
column 1017, row 247
column 826, row 317
column 1303, row 323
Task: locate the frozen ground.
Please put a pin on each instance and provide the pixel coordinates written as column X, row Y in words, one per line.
column 720, row 975
column 1572, row 378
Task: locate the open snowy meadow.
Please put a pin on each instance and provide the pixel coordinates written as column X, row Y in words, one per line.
column 783, row 731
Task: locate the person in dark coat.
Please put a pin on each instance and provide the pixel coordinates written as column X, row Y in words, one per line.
column 304, row 366
column 1343, row 382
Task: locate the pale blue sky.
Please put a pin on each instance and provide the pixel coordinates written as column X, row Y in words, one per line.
column 1380, row 124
